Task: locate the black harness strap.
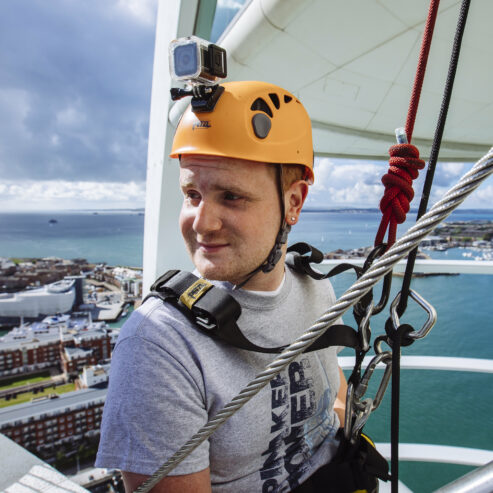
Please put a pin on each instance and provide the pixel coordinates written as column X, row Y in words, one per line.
column 298, row 260
column 215, row 312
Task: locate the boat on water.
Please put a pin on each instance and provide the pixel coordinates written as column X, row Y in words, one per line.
column 352, row 65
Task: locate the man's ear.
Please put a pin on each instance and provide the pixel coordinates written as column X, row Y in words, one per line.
column 294, row 198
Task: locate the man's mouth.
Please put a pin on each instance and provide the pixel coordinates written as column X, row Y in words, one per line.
column 211, row 247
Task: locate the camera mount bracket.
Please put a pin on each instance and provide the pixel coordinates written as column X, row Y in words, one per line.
column 204, row 98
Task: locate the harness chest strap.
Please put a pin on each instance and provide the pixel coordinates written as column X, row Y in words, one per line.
column 215, row 312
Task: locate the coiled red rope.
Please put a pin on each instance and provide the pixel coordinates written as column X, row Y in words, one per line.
column 404, row 163
column 404, row 168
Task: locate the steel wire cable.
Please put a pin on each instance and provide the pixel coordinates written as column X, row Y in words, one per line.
column 441, row 210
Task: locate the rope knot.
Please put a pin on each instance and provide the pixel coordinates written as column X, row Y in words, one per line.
column 404, row 166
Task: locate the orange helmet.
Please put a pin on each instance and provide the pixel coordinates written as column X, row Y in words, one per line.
column 251, row 120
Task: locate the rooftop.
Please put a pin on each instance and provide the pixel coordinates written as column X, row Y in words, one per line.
column 39, row 333
column 76, row 353
column 70, row 400
column 24, row 472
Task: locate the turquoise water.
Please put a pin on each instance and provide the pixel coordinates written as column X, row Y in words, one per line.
column 75, row 235
column 94, row 236
column 448, row 408
column 437, row 407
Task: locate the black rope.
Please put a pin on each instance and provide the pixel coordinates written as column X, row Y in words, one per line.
column 394, row 415
column 397, row 336
column 437, row 140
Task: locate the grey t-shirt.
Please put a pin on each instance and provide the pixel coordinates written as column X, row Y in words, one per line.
column 168, row 378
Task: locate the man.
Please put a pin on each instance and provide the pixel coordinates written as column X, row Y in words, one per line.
column 168, row 377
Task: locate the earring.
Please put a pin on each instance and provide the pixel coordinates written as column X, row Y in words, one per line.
column 293, row 219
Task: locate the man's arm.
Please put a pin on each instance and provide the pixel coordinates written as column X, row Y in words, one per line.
column 199, row 482
column 340, row 402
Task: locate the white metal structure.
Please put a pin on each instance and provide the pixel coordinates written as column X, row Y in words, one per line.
column 352, row 64
column 449, row 363
column 163, row 246
column 426, row 266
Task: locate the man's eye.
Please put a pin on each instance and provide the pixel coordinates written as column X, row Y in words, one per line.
column 192, row 195
column 231, row 196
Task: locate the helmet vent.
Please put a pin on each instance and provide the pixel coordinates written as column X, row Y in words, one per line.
column 287, row 98
column 275, row 99
column 260, row 105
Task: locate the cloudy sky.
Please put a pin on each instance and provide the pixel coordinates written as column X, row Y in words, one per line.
column 75, row 85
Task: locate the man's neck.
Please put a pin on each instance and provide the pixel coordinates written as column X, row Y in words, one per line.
column 267, row 281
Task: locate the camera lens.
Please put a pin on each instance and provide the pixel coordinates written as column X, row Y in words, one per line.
column 185, row 60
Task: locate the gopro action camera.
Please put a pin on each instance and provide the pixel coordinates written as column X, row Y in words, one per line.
column 197, row 61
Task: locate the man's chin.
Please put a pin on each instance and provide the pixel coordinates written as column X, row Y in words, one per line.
column 215, row 272
column 215, row 275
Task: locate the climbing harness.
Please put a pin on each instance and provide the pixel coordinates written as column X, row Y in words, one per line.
column 354, row 468
column 215, row 312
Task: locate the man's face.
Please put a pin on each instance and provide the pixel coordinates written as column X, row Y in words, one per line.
column 230, row 215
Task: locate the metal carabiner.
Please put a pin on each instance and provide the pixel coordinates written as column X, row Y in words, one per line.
column 364, row 328
column 387, row 280
column 354, row 408
column 384, row 382
column 361, row 409
column 348, row 412
column 377, row 345
column 362, row 416
column 386, row 358
column 428, row 325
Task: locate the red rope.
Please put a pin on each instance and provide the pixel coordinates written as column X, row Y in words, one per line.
column 404, row 158
column 404, row 168
column 421, row 69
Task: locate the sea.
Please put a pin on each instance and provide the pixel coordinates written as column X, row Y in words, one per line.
column 437, row 407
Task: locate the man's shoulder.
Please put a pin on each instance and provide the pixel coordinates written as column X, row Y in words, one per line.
column 159, row 323
column 306, row 288
column 305, row 279
column 152, row 311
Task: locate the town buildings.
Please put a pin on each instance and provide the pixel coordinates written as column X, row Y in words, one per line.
column 56, row 426
column 128, row 280
column 51, row 425
column 94, row 376
column 16, row 276
column 66, row 342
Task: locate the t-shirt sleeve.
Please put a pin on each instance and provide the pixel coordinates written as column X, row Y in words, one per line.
column 154, row 405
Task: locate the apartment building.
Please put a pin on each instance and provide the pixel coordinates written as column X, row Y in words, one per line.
column 44, row 426
column 68, row 344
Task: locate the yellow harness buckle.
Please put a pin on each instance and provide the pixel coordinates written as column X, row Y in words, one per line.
column 195, row 292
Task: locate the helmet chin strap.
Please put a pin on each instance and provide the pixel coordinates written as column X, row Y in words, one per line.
column 282, row 237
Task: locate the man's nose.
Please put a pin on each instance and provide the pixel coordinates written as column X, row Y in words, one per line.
column 207, row 218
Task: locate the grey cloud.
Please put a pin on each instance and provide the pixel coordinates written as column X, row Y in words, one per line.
column 75, row 89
